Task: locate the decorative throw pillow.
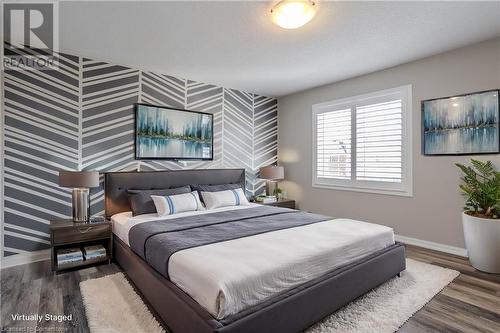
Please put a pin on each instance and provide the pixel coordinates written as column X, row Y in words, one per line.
column 213, row 188
column 140, row 200
column 173, row 204
column 224, row 198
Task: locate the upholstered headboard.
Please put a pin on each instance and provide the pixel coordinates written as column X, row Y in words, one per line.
column 116, row 184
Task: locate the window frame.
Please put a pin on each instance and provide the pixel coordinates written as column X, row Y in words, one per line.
column 405, row 188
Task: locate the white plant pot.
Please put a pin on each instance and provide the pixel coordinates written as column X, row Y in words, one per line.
column 482, row 239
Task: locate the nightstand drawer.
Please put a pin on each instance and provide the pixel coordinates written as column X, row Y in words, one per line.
column 81, row 233
column 284, row 203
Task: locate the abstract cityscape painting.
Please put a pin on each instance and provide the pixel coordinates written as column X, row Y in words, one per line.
column 166, row 133
column 461, row 125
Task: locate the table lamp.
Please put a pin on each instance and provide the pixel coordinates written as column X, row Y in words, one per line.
column 272, row 174
column 80, row 181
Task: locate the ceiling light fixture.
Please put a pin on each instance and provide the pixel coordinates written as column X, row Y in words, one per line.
column 292, row 14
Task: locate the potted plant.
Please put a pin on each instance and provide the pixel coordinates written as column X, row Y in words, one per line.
column 278, row 193
column 481, row 218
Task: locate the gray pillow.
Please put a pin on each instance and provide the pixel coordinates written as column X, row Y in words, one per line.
column 140, row 200
column 214, row 188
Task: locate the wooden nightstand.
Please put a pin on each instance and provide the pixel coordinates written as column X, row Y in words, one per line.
column 286, row 203
column 67, row 234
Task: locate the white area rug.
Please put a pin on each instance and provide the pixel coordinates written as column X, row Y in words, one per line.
column 388, row 307
column 113, row 306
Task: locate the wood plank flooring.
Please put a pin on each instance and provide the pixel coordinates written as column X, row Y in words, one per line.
column 471, row 303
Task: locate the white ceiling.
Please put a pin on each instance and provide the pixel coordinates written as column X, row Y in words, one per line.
column 234, row 44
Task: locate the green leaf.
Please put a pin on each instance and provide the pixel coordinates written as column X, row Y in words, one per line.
column 481, row 187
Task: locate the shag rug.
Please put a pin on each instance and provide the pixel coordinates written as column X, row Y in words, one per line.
column 112, row 305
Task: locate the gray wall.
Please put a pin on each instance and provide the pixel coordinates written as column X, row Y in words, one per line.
column 433, row 213
column 81, row 117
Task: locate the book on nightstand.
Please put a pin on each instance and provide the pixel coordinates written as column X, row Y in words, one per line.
column 94, row 251
column 65, row 256
column 266, row 198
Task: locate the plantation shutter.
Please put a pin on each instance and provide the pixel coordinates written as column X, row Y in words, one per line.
column 363, row 143
column 379, row 131
column 333, row 144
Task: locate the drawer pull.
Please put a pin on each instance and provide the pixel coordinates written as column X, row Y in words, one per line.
column 84, row 231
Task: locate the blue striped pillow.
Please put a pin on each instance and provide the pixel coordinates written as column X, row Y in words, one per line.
column 173, row 204
column 226, row 198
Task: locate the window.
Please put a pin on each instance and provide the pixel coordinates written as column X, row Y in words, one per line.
column 363, row 143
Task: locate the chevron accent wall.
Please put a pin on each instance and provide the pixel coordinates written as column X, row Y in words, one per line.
column 81, row 116
column 41, row 135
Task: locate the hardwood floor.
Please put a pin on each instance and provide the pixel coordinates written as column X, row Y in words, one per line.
column 471, row 303
column 33, row 288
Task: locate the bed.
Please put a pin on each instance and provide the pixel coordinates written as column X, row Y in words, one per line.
column 219, row 286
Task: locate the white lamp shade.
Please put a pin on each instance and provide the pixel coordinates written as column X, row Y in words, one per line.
column 272, row 172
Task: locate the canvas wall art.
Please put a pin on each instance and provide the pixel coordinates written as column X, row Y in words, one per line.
column 167, row 133
column 460, row 125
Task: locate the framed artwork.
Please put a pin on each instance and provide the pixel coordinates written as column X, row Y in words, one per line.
column 164, row 133
column 462, row 125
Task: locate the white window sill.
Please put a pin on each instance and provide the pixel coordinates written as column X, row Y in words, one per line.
column 401, row 193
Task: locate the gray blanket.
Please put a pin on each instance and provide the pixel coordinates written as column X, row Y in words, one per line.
column 156, row 241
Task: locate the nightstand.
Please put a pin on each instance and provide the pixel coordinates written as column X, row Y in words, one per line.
column 286, row 203
column 69, row 234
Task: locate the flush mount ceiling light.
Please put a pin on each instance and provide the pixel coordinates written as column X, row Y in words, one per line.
column 292, row 14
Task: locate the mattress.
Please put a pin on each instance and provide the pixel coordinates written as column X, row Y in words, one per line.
column 122, row 222
column 228, row 277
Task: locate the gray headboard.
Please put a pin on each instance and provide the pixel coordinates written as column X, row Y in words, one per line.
column 116, row 184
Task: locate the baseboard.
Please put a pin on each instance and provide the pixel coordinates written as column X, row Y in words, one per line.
column 24, row 258
column 432, row 245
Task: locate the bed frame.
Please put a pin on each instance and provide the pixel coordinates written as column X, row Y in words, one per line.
column 290, row 311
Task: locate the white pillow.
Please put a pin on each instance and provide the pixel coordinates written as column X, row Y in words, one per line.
column 178, row 203
column 224, row 198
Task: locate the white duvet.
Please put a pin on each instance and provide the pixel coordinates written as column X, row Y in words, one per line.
column 230, row 276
